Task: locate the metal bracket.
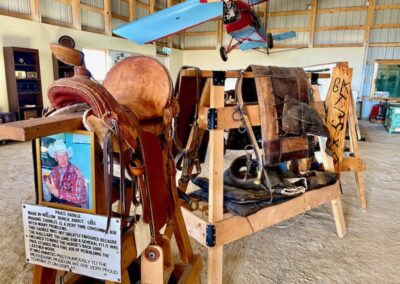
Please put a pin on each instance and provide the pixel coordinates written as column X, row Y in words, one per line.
column 219, row 78
column 212, row 118
column 210, row 235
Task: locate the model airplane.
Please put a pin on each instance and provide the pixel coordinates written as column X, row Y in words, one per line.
column 240, row 20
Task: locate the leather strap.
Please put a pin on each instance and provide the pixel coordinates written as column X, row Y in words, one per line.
column 188, row 156
column 249, row 129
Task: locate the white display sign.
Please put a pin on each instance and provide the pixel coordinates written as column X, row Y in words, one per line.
column 72, row 241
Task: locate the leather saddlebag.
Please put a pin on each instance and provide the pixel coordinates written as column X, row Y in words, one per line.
column 268, row 89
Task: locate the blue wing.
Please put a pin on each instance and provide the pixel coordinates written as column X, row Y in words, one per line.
column 169, row 21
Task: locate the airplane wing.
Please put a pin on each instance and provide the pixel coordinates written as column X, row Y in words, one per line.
column 169, row 21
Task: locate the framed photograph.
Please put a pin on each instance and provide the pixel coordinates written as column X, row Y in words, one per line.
column 65, row 171
column 28, row 114
column 31, row 75
column 20, row 74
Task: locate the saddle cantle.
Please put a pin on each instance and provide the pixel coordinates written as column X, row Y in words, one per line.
column 141, row 84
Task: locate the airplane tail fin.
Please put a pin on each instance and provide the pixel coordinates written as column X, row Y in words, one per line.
column 283, row 36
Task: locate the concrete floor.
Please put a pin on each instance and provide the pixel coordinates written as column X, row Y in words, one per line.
column 301, row 250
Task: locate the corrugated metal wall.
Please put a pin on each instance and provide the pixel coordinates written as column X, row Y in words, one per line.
column 20, row 6
column 288, row 5
column 56, row 11
column 120, row 7
column 92, row 19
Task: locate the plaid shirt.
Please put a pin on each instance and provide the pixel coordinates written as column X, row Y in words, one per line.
column 71, row 185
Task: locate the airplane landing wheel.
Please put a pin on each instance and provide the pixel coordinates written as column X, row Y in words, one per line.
column 223, row 53
column 270, row 41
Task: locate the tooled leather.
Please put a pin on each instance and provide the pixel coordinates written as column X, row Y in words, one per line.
column 79, row 89
column 142, row 84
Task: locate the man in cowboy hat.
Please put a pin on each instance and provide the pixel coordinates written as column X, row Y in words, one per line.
column 66, row 182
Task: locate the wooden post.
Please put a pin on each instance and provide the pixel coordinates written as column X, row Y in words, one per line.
column 313, row 18
column 220, row 34
column 35, row 10
column 76, row 14
column 339, row 218
column 44, row 275
column 132, row 10
column 215, row 199
column 370, row 21
column 107, row 17
column 151, row 6
column 170, row 38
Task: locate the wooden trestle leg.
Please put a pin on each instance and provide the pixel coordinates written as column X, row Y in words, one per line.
column 215, row 199
column 339, row 218
column 358, row 173
column 44, row 275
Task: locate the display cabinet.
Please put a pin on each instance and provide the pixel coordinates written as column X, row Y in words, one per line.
column 23, row 79
column 62, row 70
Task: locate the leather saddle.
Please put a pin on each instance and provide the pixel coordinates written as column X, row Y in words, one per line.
column 131, row 114
column 274, row 89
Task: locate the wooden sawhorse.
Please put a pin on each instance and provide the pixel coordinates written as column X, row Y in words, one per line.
column 220, row 228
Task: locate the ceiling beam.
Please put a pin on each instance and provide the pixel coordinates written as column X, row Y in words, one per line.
column 387, row 7
column 57, row 23
column 283, row 30
column 338, row 45
column 204, row 33
column 342, row 9
column 15, row 14
column 288, row 13
column 385, row 44
column 120, row 17
column 92, row 8
column 313, row 19
column 340, row 28
column 386, row 26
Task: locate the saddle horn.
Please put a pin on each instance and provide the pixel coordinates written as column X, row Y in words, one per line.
column 67, row 55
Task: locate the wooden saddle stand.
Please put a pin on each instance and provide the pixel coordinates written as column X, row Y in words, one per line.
column 131, row 114
column 213, row 117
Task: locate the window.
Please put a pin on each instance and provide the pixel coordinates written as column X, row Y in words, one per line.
column 96, row 63
column 386, row 80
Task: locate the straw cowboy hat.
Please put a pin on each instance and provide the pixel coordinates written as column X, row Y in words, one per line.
column 59, row 146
